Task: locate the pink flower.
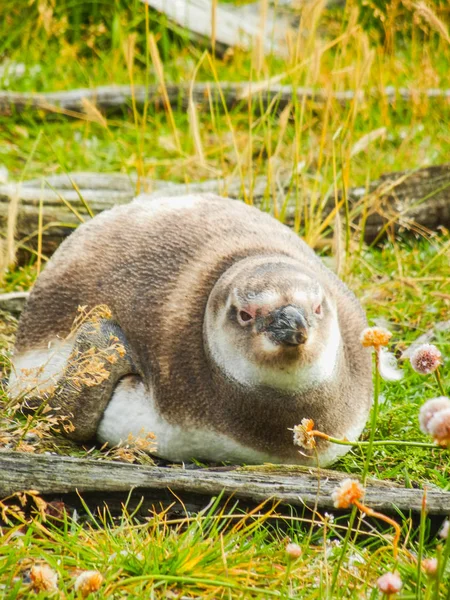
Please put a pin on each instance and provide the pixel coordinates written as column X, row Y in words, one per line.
column 430, row 566
column 426, row 359
column 429, row 409
column 439, row 427
column 293, row 551
column 389, row 583
column 346, row 493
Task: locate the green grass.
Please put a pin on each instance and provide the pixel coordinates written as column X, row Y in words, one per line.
column 406, row 286
column 404, row 282
column 218, row 554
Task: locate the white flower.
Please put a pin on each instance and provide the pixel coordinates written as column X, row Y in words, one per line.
column 429, row 409
column 443, row 532
column 293, row 551
column 426, row 359
column 430, row 566
column 439, row 427
column 302, row 434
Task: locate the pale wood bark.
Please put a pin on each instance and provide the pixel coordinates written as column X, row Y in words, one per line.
column 397, row 201
column 233, row 26
column 14, row 302
column 232, row 94
column 295, row 486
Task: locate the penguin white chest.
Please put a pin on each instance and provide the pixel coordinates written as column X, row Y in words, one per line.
column 133, row 410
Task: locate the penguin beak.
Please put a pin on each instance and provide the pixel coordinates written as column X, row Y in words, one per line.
column 287, row 326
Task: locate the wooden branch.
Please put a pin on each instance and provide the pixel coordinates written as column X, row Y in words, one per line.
column 400, row 201
column 295, row 486
column 118, row 97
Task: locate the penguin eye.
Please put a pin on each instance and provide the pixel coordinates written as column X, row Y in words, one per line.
column 318, row 310
column 244, row 317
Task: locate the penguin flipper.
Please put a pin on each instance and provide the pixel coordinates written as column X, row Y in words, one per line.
column 98, row 359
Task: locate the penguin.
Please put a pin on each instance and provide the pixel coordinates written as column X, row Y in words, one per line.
column 231, row 330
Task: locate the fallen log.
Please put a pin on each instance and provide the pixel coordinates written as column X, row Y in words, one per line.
column 402, row 201
column 13, row 302
column 228, row 26
column 65, row 201
column 231, row 94
column 294, row 486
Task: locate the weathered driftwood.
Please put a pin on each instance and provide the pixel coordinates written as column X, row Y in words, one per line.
column 13, row 302
column 229, row 26
column 115, row 97
column 63, row 208
column 407, row 200
column 294, row 486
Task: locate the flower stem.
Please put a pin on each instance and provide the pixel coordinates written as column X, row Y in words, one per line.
column 365, row 471
column 337, row 568
column 373, row 423
column 422, row 525
column 343, row 442
column 439, row 381
column 373, row 513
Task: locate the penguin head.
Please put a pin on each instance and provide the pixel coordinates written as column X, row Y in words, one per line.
column 271, row 319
